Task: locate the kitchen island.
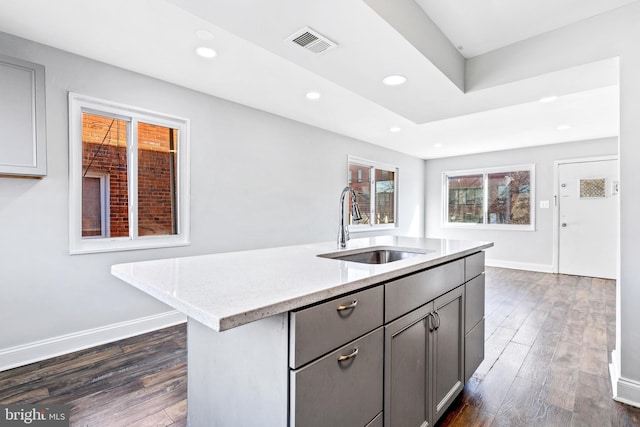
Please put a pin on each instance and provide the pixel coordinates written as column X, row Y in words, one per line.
column 296, row 336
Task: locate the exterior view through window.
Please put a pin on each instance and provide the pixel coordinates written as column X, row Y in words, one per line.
column 129, row 177
column 105, row 188
column 377, row 206
column 466, row 198
column 491, row 197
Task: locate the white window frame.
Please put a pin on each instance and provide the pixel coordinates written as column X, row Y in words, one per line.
column 485, row 188
column 373, row 165
column 79, row 104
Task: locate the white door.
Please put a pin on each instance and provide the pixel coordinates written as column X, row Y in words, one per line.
column 588, row 212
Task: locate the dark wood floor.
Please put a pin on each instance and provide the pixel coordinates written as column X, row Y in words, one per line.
column 548, row 341
column 548, row 344
column 140, row 381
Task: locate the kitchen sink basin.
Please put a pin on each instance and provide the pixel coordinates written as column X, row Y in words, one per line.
column 375, row 256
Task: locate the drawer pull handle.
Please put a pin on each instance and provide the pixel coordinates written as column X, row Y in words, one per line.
column 437, row 316
column 351, row 355
column 348, row 306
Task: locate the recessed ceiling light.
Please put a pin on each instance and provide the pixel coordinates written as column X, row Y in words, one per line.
column 548, row 99
column 564, row 127
column 205, row 35
column 395, row 129
column 438, row 145
column 394, row 80
column 313, row 95
column 206, row 52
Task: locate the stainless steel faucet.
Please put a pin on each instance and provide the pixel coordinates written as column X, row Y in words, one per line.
column 343, row 232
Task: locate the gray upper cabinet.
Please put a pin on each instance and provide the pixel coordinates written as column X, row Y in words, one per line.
column 22, row 118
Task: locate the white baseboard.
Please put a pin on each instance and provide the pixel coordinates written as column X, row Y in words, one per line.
column 624, row 390
column 543, row 268
column 40, row 350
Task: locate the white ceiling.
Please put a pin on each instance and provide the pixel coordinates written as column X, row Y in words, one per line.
column 486, row 25
column 255, row 66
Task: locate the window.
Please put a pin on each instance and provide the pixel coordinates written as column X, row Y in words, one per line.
column 490, row 198
column 129, row 177
column 378, row 207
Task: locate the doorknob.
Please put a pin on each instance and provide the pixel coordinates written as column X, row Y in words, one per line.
column 564, row 224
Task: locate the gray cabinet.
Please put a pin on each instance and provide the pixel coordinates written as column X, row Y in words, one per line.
column 407, row 374
column 410, row 292
column 323, row 327
column 448, row 348
column 377, row 421
column 341, row 389
column 424, row 361
column 474, row 313
column 473, row 265
column 395, row 354
column 22, row 118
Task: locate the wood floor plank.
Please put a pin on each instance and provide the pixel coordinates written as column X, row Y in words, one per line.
column 530, row 328
column 595, row 361
column 552, row 416
column 130, row 382
column 492, row 390
column 559, row 388
column 537, row 363
column 177, row 411
column 470, row 416
column 494, row 346
column 521, row 405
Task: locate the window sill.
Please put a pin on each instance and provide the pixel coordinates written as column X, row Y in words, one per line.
column 496, row 227
column 365, row 228
column 89, row 246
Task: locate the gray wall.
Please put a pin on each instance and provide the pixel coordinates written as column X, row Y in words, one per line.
column 258, row 180
column 534, row 247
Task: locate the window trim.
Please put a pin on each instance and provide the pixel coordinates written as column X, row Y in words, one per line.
column 485, row 198
column 381, row 166
column 77, row 244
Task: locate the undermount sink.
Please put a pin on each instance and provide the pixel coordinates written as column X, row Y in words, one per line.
column 375, row 256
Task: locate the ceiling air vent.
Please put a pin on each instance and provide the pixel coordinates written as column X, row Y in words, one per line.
column 312, row 40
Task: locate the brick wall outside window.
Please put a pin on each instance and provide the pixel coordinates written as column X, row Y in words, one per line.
column 109, row 156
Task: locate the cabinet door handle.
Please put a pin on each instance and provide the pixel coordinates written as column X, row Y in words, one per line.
column 430, row 322
column 348, row 306
column 351, row 355
column 437, row 316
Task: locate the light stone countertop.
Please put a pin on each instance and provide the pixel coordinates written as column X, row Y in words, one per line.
column 227, row 290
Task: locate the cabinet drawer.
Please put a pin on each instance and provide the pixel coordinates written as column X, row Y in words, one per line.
column 410, row 292
column 474, row 350
column 473, row 265
column 319, row 329
column 348, row 393
column 474, row 302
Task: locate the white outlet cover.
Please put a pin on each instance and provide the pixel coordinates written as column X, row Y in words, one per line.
column 544, row 204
